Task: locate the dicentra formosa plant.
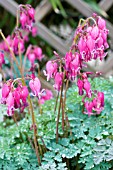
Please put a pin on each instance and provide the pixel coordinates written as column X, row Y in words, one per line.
column 89, row 43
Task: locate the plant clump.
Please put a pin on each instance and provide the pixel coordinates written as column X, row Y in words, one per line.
column 67, row 132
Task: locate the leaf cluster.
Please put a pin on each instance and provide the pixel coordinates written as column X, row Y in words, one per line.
column 87, row 142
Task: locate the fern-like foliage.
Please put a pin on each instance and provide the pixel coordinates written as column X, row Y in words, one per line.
column 86, row 143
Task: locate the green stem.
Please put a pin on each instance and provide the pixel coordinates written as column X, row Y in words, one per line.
column 17, row 19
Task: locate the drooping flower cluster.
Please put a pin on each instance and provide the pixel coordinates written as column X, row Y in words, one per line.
column 52, row 72
column 33, row 53
column 27, row 16
column 90, row 43
column 72, row 65
column 97, row 104
column 16, row 43
column 14, row 97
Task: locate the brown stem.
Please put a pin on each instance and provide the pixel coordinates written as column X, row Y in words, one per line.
column 67, row 84
column 31, row 143
column 56, row 102
column 58, row 116
column 43, row 143
column 63, row 113
column 68, row 124
column 12, row 68
column 40, row 109
column 66, row 117
column 25, row 57
column 34, row 130
column 20, row 56
column 77, row 165
column 2, row 75
column 14, row 118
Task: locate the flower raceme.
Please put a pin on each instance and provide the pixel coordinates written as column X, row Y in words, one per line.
column 92, row 41
column 27, row 14
column 34, row 53
column 97, row 104
column 89, row 43
column 14, row 98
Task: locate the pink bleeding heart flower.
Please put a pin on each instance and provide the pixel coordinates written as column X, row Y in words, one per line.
column 35, row 86
column 98, row 102
column 87, row 88
column 23, row 19
column 82, row 45
column 46, row 95
column 10, row 104
column 18, row 44
column 72, row 65
column 100, row 98
column 17, row 97
column 101, row 23
column 89, row 30
column 24, row 93
column 34, row 31
column 90, row 43
column 5, row 93
column 38, row 53
column 80, row 85
column 32, row 57
column 51, row 68
column 31, row 13
column 89, row 108
column 9, row 40
column 95, row 32
column 100, row 42
column 58, row 81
